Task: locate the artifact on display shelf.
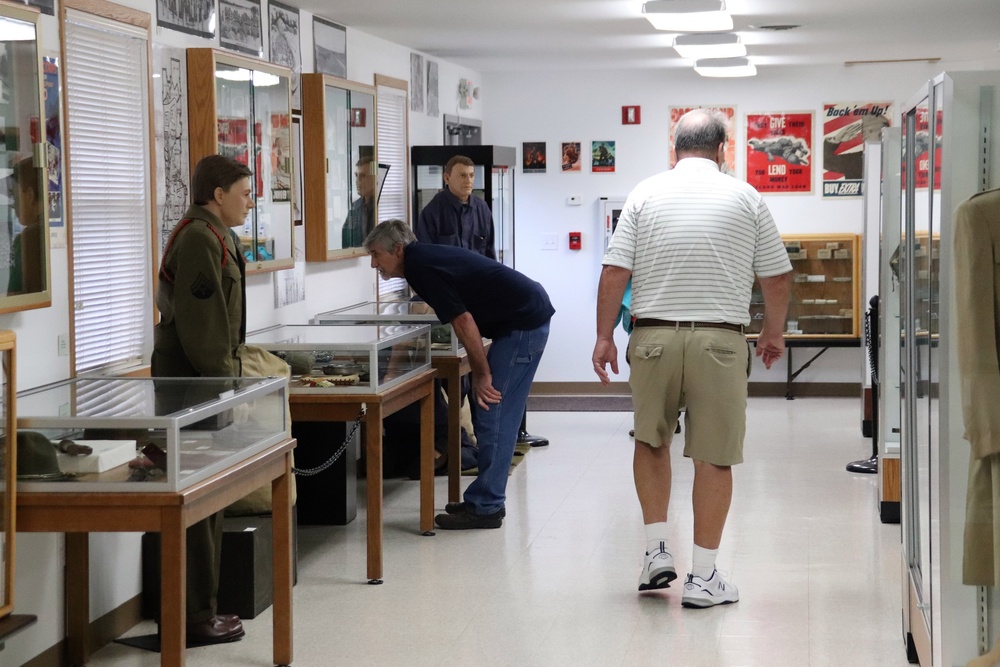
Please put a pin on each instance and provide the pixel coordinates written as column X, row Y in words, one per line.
column 444, row 341
column 144, row 434
column 240, row 107
column 825, row 295
column 348, row 358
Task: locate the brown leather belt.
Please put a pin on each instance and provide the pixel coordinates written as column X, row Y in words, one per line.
column 650, row 322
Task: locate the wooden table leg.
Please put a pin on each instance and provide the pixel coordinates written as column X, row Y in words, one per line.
column 173, row 587
column 454, row 382
column 281, row 518
column 373, row 454
column 427, row 464
column 77, row 596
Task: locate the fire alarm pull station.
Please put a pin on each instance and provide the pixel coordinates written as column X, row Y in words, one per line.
column 574, row 240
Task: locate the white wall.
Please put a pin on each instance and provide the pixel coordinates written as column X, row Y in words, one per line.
column 115, row 576
column 586, row 106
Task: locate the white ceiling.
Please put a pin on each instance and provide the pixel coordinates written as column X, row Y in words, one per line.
column 510, row 35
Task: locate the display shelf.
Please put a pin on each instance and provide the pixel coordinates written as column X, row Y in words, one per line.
column 241, row 108
column 825, row 299
column 180, row 430
column 444, row 341
column 342, row 175
column 339, row 359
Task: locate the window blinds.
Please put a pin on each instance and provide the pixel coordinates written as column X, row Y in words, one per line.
column 392, row 150
column 107, row 123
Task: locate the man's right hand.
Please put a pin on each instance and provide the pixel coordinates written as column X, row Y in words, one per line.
column 484, row 391
column 770, row 347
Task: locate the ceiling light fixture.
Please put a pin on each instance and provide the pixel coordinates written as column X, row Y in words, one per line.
column 710, row 45
column 688, row 15
column 725, row 67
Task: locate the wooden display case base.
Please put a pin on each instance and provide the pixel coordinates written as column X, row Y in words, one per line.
column 889, row 489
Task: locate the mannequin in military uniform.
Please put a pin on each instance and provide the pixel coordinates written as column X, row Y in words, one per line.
column 201, row 298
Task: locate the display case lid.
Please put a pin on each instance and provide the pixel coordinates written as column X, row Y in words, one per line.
column 381, row 311
column 112, row 402
column 350, row 335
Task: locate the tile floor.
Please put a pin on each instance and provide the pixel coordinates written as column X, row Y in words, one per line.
column 818, row 573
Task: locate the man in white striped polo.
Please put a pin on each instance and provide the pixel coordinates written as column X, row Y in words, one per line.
column 691, row 239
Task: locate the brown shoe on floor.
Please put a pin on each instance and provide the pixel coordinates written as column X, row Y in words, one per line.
column 219, row 629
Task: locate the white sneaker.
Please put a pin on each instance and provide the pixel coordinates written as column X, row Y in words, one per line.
column 658, row 570
column 701, row 593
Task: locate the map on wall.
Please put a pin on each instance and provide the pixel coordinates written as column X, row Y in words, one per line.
column 170, row 118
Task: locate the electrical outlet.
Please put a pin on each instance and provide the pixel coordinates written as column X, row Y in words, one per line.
column 550, row 241
column 62, row 345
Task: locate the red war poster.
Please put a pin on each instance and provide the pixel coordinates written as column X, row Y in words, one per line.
column 779, row 152
column 730, row 113
column 922, row 147
column 846, row 128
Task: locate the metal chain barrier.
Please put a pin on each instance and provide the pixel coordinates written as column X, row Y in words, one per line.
column 309, row 472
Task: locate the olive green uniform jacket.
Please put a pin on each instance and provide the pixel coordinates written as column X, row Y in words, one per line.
column 977, row 311
column 202, row 301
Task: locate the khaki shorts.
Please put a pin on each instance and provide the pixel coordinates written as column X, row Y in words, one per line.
column 703, row 372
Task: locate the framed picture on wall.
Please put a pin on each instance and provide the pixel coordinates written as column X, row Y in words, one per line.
column 239, row 26
column 330, row 47
column 195, row 17
column 285, row 44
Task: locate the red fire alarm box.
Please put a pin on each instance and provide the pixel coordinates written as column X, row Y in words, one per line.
column 574, row 240
column 630, row 116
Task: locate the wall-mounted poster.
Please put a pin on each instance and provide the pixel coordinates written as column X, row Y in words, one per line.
column 50, row 72
column 779, row 152
column 330, row 47
column 170, row 120
column 416, row 82
column 239, row 26
column 602, row 156
column 571, row 156
column 533, row 157
column 846, row 128
column 195, row 17
column 284, row 43
column 433, row 90
column 729, row 112
column 281, row 157
column 922, row 147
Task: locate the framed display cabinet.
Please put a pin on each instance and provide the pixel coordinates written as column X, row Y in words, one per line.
column 444, row 341
column 495, row 166
column 343, row 178
column 8, row 472
column 144, row 435
column 24, row 162
column 241, row 107
column 825, row 299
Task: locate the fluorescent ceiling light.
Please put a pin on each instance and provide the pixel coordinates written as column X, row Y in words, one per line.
column 725, row 67
column 688, row 15
column 709, row 45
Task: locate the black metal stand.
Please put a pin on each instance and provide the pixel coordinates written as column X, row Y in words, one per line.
column 870, row 466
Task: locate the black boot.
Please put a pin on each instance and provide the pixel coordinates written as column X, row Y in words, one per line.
column 525, row 438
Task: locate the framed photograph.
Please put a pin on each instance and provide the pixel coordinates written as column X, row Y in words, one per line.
column 779, row 152
column 330, row 46
column 285, row 44
column 195, row 17
column 533, row 157
column 44, row 6
column 416, row 82
column 239, row 26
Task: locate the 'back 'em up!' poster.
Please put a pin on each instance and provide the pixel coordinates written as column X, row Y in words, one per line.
column 846, row 128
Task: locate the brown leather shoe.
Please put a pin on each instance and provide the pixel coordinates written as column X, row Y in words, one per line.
column 216, row 630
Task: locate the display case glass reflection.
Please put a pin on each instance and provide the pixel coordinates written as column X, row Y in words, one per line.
column 8, row 488
column 342, row 173
column 24, row 164
column 246, row 115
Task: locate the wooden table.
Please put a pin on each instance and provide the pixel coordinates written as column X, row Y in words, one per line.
column 452, row 368
column 170, row 514
column 343, row 407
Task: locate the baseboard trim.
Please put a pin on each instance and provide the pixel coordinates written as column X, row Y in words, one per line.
column 102, row 632
column 757, row 389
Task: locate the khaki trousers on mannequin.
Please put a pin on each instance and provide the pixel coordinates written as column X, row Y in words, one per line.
column 204, row 551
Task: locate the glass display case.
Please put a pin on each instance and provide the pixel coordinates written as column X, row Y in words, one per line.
column 241, row 107
column 25, row 157
column 826, row 287
column 343, row 178
column 443, row 338
column 495, row 166
column 119, row 434
column 8, row 469
column 340, row 359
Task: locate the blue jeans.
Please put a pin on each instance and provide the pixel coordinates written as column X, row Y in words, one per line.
column 513, row 361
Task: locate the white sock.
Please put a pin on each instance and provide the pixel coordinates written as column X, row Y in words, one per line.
column 655, row 534
column 703, row 562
